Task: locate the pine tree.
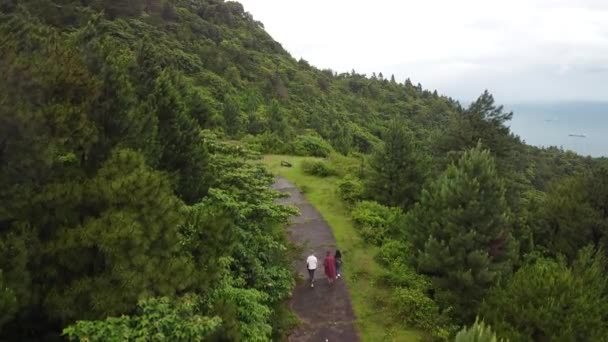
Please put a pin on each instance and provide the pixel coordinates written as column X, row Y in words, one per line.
column 232, row 116
column 129, row 241
column 341, row 138
column 483, row 120
column 182, row 150
column 276, row 120
column 460, row 230
column 396, row 168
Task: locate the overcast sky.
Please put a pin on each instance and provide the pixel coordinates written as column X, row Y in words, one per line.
column 521, row 50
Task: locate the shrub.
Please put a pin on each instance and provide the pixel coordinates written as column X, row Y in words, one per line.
column 317, row 168
column 478, row 332
column 401, row 275
column 156, row 318
column 353, row 164
column 375, row 221
column 393, row 255
column 391, row 251
column 415, row 308
column 266, row 143
column 350, row 189
column 311, row 145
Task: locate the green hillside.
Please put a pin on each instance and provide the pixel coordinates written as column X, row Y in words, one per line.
column 130, row 185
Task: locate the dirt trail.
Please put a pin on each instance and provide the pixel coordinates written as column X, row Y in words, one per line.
column 325, row 311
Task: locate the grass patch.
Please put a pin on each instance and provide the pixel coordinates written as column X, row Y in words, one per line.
column 360, row 268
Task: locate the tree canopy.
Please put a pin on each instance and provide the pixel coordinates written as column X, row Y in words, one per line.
column 131, row 189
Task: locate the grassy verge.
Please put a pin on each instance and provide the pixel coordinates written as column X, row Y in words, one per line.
column 360, row 268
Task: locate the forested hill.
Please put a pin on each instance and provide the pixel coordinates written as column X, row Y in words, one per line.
column 231, row 76
column 122, row 191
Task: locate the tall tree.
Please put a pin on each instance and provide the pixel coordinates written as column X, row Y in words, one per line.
column 182, row 151
column 460, row 231
column 482, row 120
column 131, row 234
column 276, row 120
column 396, row 168
column 232, row 116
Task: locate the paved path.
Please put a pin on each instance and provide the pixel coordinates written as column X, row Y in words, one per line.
column 325, row 311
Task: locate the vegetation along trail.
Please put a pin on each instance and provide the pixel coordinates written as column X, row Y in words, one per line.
column 325, row 311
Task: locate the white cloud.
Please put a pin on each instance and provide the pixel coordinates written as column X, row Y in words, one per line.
column 522, row 50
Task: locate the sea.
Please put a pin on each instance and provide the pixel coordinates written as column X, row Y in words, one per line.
column 581, row 127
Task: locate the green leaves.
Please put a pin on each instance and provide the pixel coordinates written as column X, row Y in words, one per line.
column 460, row 231
column 311, row 145
column 158, row 319
column 132, row 234
column 549, row 300
column 376, row 223
column 397, row 170
column 478, row 332
column 317, row 168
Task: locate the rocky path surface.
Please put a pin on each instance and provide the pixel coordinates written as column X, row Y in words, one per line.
column 325, row 311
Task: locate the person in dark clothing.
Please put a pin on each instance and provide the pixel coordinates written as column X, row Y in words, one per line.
column 338, row 260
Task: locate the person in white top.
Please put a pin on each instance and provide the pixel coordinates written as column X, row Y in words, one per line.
column 311, row 265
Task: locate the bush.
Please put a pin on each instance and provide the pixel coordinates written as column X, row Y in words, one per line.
column 266, row 143
column 353, row 164
column 401, row 275
column 165, row 318
column 317, row 168
column 392, row 251
column 478, row 332
column 415, row 308
column 311, row 145
column 350, row 189
column 375, row 221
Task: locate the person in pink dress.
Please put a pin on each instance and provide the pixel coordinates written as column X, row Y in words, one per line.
column 330, row 267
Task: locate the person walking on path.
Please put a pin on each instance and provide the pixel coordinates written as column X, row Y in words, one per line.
column 330, row 267
column 311, row 265
column 338, row 259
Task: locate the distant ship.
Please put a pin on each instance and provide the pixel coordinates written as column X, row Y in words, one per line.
column 577, row 135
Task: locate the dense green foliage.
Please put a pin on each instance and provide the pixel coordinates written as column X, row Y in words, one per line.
column 460, row 232
column 111, row 191
column 158, row 319
column 311, row 145
column 548, row 300
column 350, row 189
column 123, row 193
column 478, row 332
column 396, row 169
column 375, row 221
column 318, row 168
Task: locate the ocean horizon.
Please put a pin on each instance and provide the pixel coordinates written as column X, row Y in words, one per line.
column 581, row 127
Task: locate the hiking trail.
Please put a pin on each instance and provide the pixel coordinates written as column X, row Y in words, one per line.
column 325, row 311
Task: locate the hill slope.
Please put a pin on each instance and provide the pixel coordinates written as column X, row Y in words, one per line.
column 112, row 117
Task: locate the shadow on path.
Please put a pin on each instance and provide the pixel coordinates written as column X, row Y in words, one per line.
column 325, row 311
